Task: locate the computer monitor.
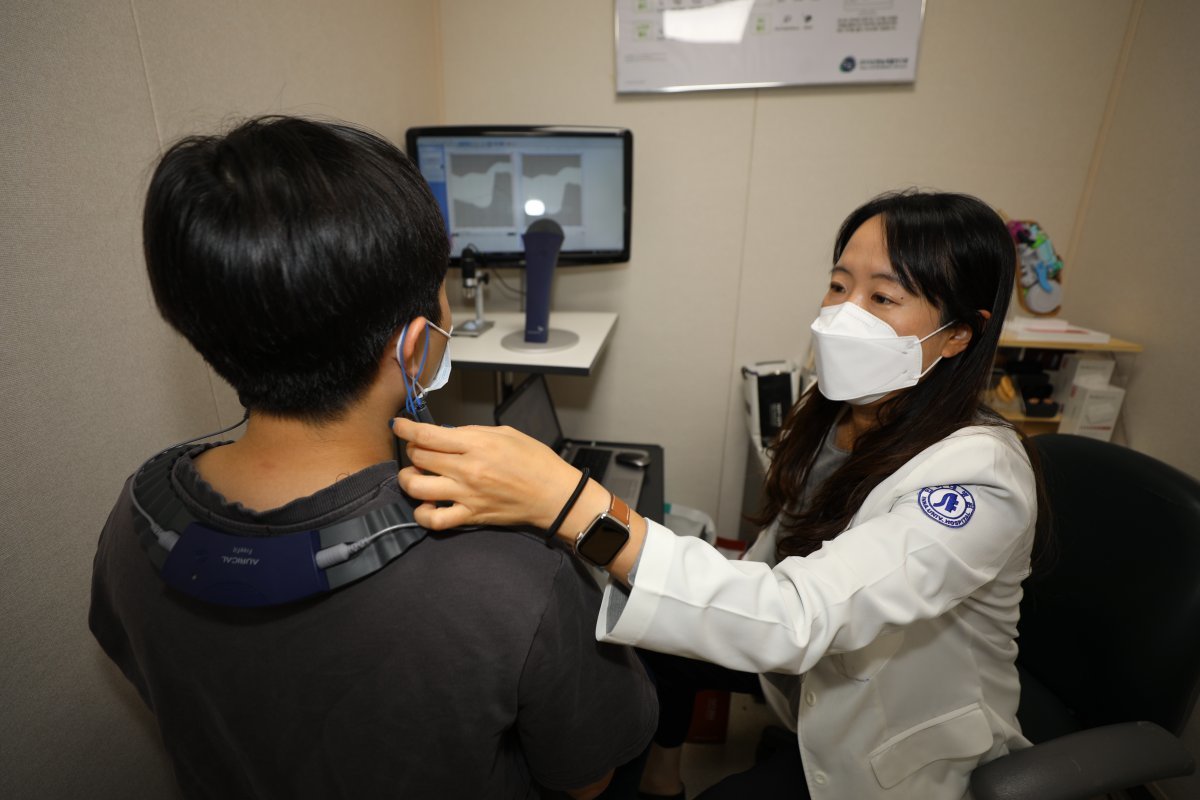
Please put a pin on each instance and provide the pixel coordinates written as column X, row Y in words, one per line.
column 493, row 181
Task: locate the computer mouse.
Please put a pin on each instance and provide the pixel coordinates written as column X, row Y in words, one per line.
column 633, row 458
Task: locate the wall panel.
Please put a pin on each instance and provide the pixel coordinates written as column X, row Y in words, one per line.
column 93, row 381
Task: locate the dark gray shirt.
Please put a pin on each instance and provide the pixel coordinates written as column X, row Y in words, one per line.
column 468, row 667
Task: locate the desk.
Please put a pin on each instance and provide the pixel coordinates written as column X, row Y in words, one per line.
column 650, row 503
column 486, row 352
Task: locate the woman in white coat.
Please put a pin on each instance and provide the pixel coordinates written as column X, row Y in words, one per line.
column 880, row 603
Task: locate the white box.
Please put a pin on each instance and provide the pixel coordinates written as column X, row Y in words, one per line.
column 1092, row 411
column 1090, row 369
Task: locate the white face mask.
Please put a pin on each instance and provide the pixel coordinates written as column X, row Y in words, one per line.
column 860, row 358
column 416, row 390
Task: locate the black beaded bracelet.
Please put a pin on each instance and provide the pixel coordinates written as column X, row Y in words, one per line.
column 562, row 515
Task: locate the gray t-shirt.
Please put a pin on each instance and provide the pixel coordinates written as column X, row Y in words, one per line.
column 829, row 457
column 468, row 667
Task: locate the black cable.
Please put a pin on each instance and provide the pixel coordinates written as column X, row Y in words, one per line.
column 504, row 283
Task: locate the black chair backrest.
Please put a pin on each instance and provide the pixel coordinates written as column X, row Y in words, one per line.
column 1111, row 625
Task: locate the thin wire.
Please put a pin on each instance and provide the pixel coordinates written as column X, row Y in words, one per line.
column 342, row 552
column 412, row 402
column 133, row 497
column 355, row 547
column 504, row 283
column 241, row 421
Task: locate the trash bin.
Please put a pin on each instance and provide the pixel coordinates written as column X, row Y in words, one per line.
column 686, row 521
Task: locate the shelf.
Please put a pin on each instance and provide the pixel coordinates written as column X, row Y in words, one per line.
column 1016, row 417
column 1012, row 412
column 1111, row 346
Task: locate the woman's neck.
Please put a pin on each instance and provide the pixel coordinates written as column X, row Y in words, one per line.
column 857, row 421
column 280, row 459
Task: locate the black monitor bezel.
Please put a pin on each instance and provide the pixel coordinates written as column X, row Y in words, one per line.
column 566, row 257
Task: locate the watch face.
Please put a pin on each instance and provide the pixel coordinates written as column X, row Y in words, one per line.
column 603, row 541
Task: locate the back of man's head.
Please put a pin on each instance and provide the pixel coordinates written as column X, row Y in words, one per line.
column 288, row 252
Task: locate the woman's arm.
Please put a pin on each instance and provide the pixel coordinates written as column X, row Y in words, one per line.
column 897, row 565
column 888, row 571
column 499, row 476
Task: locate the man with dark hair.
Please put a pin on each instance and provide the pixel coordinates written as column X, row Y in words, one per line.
column 306, row 262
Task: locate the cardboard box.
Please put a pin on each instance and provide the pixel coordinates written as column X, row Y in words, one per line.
column 1090, row 369
column 1092, row 411
column 710, row 717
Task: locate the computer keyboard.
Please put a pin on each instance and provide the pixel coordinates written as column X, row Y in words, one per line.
column 595, row 459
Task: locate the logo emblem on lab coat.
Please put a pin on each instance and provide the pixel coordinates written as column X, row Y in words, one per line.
column 951, row 505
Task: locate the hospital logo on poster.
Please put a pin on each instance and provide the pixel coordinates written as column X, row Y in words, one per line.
column 952, row 505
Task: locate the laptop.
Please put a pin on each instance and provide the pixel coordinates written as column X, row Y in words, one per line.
column 530, row 410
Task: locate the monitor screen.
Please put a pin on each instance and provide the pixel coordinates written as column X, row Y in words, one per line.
column 493, row 181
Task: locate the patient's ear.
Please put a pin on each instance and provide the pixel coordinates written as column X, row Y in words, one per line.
column 412, row 347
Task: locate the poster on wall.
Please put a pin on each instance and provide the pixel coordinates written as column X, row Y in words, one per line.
column 697, row 45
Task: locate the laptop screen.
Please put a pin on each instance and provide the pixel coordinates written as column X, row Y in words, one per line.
column 530, row 410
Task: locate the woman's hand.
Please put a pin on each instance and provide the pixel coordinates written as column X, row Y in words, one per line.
column 499, row 476
column 493, row 476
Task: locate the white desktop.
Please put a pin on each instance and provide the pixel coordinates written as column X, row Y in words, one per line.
column 487, row 351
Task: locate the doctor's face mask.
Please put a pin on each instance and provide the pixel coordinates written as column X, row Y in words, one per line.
column 860, row 358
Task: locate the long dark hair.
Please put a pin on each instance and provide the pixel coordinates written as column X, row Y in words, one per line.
column 956, row 253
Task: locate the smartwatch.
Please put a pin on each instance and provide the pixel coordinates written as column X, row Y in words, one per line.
column 600, row 541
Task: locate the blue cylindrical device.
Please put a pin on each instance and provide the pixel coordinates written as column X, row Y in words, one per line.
column 542, row 240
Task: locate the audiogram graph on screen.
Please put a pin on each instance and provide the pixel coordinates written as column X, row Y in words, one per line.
column 556, row 182
column 481, row 190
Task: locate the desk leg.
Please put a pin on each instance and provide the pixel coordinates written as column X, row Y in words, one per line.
column 503, row 386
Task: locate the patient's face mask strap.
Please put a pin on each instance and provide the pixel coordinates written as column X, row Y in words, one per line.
column 412, row 401
column 414, row 394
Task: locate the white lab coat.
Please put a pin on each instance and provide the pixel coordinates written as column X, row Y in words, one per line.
column 903, row 627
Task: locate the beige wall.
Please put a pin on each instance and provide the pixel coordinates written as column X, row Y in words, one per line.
column 92, row 380
column 737, row 194
column 1134, row 268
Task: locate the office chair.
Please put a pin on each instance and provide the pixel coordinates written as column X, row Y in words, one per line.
column 1110, row 629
